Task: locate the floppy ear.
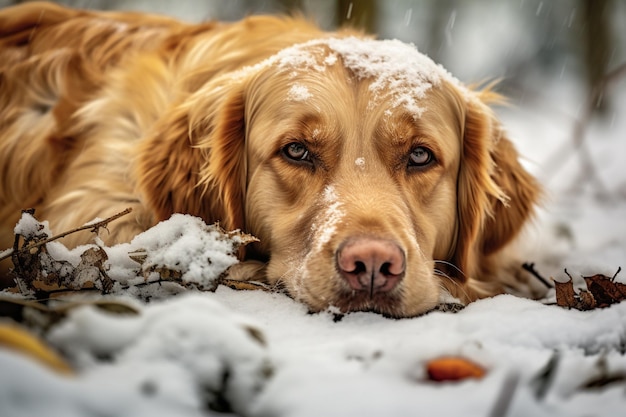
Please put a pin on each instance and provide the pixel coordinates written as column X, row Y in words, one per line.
column 195, row 161
column 495, row 193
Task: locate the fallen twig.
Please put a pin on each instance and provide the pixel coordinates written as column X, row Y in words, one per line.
column 94, row 227
column 530, row 267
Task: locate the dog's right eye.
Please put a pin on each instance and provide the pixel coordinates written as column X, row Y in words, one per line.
column 297, row 152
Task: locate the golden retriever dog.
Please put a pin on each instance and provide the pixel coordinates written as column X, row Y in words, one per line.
column 374, row 180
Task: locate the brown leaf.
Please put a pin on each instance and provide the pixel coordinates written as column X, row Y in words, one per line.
column 565, row 294
column 602, row 291
column 605, row 290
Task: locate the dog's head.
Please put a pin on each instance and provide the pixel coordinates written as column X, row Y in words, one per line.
column 372, row 178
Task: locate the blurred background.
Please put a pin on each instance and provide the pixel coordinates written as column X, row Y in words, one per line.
column 477, row 40
column 561, row 63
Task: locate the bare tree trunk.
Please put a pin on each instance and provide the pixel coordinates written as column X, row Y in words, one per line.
column 359, row 14
column 597, row 43
column 440, row 27
column 289, row 6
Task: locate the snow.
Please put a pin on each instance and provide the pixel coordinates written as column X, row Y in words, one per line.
column 172, row 357
column 193, row 336
column 298, row 92
column 170, row 360
column 393, row 67
column 30, row 228
column 200, row 249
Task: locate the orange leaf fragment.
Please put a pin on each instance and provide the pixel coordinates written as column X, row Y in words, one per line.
column 453, row 368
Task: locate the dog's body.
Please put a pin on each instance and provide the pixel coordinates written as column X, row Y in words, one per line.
column 372, row 178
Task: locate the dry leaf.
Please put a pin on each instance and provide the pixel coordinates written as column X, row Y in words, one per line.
column 602, row 291
column 565, row 294
column 605, row 290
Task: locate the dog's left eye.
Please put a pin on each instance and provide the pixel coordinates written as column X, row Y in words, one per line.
column 421, row 157
column 297, row 152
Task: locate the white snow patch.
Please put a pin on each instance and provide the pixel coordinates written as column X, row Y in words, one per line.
column 29, row 227
column 196, row 249
column 360, row 162
column 330, row 60
column 299, row 92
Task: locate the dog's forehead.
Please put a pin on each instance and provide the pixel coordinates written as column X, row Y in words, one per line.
column 396, row 71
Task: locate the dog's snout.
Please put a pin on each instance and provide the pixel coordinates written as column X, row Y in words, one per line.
column 370, row 264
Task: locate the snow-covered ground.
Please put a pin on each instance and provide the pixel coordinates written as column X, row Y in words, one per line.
column 178, row 355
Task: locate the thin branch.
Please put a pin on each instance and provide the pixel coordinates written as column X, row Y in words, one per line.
column 619, row 269
column 92, row 226
column 530, row 267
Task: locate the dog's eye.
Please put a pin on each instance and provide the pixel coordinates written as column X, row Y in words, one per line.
column 420, row 157
column 297, row 152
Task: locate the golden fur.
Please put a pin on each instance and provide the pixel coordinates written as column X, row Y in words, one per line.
column 104, row 111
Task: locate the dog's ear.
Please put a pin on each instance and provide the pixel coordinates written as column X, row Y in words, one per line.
column 224, row 173
column 194, row 163
column 496, row 195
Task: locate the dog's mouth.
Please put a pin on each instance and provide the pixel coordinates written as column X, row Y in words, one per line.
column 388, row 304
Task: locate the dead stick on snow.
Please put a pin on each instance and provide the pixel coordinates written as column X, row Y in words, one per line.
column 530, row 267
column 91, row 226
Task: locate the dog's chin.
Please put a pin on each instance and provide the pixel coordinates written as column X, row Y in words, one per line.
column 388, row 304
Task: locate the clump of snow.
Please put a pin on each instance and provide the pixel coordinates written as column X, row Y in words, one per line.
column 331, row 59
column 298, row 92
column 360, row 162
column 199, row 251
column 29, row 227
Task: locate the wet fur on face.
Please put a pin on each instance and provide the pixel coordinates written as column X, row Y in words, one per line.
column 363, row 198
